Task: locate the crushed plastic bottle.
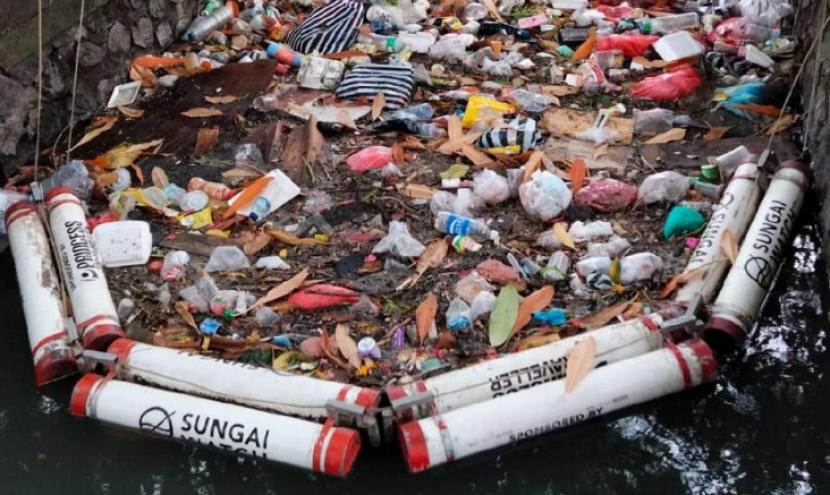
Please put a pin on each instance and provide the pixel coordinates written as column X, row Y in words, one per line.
column 545, row 195
column 464, row 202
column 399, row 242
column 557, row 267
column 227, row 259
column 459, row 315
column 491, row 187
column 202, row 26
column 450, row 223
column 73, row 175
column 668, row 186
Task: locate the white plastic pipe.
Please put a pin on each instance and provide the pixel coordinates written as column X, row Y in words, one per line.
column 233, row 381
column 239, row 430
column 92, row 305
column 40, row 294
column 439, row 439
column 749, row 280
column 522, row 370
column 735, row 210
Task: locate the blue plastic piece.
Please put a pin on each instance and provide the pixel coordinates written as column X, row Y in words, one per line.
column 552, row 317
column 282, row 341
column 753, row 92
column 209, row 326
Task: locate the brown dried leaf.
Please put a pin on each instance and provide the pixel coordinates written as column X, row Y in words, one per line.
column 343, row 118
column 221, row 99
column 432, row 257
column 243, row 172
column 454, row 128
column 291, row 239
column 536, row 341
column 257, row 244
column 602, row 317
column 202, row 112
column 377, row 105
column 675, row 134
column 491, row 6
column 183, row 309
column 205, row 140
column 139, row 174
column 347, row 345
column 282, row 289
column 425, row 316
column 680, row 280
column 533, row 164
column 783, row 123
column 716, row 133
column 130, row 112
column 106, row 124
column 562, row 234
column 580, row 363
column 474, row 155
column 417, row 191
column 159, row 177
column 579, row 171
column 398, row 154
column 729, row 245
column 536, row 301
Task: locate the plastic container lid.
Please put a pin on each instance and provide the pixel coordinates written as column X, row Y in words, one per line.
column 123, row 243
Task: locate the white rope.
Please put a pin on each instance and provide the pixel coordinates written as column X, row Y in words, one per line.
column 75, row 80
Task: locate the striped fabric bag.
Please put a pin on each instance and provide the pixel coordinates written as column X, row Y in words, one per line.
column 396, row 82
column 329, row 29
column 519, row 135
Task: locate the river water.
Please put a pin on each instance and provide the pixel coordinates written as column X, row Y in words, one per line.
column 761, row 428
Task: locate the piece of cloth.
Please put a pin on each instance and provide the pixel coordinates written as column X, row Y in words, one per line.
column 396, row 82
column 329, row 29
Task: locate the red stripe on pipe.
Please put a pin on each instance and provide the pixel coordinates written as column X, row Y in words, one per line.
column 51, row 338
column 341, row 395
column 89, row 321
column 80, row 394
column 368, row 398
column 121, row 348
column 649, row 323
column 708, row 362
column 413, row 446
column 681, row 361
column 318, row 445
column 342, row 452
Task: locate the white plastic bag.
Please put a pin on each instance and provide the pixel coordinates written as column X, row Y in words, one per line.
column 545, row 195
column 399, row 242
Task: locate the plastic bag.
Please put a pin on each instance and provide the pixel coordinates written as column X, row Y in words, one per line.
column 632, row 45
column 672, row 85
column 491, row 187
column 174, row 265
column 748, row 93
column 529, row 101
column 465, row 203
column 498, row 68
column 471, row 285
column 227, row 259
column 452, row 47
column 657, row 120
column 545, row 195
column 272, row 263
column 668, row 186
column 369, row 158
column 607, row 195
column 739, row 31
column 682, row 220
column 399, row 242
column 765, row 12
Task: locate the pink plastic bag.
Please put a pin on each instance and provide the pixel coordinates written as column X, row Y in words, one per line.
column 370, row 158
column 607, row 195
column 614, row 13
column 632, row 45
column 321, row 296
column 675, row 84
column 738, row 31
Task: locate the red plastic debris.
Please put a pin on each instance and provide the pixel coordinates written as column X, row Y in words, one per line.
column 497, row 272
column 321, row 296
column 632, row 45
column 370, row 158
column 607, row 195
column 675, row 84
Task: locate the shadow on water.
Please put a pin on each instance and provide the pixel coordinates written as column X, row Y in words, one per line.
column 761, row 428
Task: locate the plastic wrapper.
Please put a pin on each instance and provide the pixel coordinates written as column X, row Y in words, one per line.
column 632, row 45
column 742, row 94
column 399, row 242
column 667, row 186
column 497, row 68
column 607, row 195
column 465, row 202
column 321, row 296
column 271, row 263
column 227, row 259
column 491, row 187
column 369, row 158
column 452, row 48
column 586, row 232
column 669, row 86
column 545, row 195
column 482, row 304
column 738, row 31
column 657, row 120
column 529, row 101
column 175, row 263
column 458, row 315
column 519, row 135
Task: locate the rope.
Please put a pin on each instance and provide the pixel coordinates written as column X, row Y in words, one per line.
column 75, row 79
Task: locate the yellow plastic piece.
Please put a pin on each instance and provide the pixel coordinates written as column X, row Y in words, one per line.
column 479, row 104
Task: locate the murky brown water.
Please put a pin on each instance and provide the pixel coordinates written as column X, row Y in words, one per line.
column 762, row 428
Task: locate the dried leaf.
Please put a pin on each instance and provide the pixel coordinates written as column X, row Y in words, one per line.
column 432, row 257
column 282, row 289
column 257, row 244
column 106, row 179
column 347, row 345
column 783, row 123
column 139, row 174
column 377, row 105
column 578, row 173
column 716, row 133
column 107, row 123
column 675, row 134
column 536, row 301
column 203, row 112
column 729, row 245
column 454, row 128
column 768, row 110
column 125, row 155
column 221, row 99
column 183, row 309
column 503, row 316
column 397, row 154
column 156, row 62
column 562, row 234
column 602, row 317
column 159, row 177
column 425, row 316
column 133, row 113
column 345, row 119
column 652, row 64
column 205, row 140
column 248, row 195
column 580, row 363
column 681, row 279
column 417, row 191
column 292, row 240
column 474, row 155
column 491, row 6
column 533, row 164
column 242, row 172
column 536, row 341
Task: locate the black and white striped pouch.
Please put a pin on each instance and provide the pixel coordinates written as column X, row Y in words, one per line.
column 329, row 29
column 396, row 82
column 521, row 132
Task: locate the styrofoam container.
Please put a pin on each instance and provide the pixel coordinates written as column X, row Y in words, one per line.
column 123, row 243
column 677, row 46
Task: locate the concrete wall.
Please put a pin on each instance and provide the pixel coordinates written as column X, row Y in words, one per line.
column 114, row 32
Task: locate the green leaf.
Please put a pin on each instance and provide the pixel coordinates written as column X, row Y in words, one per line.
column 504, row 314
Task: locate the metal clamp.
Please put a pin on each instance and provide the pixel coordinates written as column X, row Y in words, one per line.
column 352, row 415
column 688, row 321
column 89, row 360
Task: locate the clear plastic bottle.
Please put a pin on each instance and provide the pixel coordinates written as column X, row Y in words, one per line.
column 669, row 23
column 123, row 180
column 381, row 42
column 201, row 27
column 450, row 223
column 260, row 207
column 459, row 315
column 193, row 201
column 557, row 268
column 73, row 175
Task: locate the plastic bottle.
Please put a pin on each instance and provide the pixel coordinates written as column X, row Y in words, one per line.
column 382, row 42
column 669, row 23
column 557, row 268
column 283, row 54
column 201, row 27
column 73, row 175
column 215, row 190
column 122, row 181
column 192, row 201
column 529, row 101
column 667, row 186
column 450, row 223
column 174, row 193
column 459, row 315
